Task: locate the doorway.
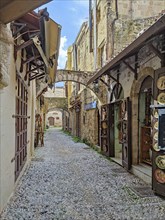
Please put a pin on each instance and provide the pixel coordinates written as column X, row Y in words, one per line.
column 51, row 121
column 145, row 138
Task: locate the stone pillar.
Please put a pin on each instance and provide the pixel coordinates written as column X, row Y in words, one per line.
column 5, row 42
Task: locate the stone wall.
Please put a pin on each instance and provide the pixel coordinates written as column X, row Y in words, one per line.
column 89, row 118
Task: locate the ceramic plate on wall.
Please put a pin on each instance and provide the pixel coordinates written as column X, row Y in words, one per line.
column 104, row 125
column 160, row 161
column 161, row 98
column 160, row 175
column 155, row 147
column 155, row 114
column 161, row 83
column 156, row 136
column 156, row 125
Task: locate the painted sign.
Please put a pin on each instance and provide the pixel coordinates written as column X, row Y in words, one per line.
column 91, row 105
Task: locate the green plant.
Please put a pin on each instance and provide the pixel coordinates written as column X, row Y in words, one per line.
column 66, row 132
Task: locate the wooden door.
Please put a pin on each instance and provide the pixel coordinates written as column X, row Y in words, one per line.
column 20, row 126
column 126, row 133
column 158, row 133
column 51, row 121
column 107, row 130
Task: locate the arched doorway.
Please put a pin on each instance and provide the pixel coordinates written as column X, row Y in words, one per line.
column 51, row 121
column 144, row 113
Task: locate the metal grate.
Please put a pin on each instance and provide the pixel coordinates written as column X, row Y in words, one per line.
column 119, row 170
column 143, row 191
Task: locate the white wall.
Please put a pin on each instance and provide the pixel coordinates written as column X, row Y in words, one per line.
column 7, row 131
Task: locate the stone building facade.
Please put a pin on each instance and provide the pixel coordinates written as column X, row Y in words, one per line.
column 126, row 56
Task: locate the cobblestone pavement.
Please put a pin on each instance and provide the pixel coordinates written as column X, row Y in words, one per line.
column 70, row 181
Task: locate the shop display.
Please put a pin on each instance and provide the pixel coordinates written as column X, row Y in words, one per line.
column 161, row 98
column 156, row 125
column 156, row 136
column 158, row 131
column 160, row 161
column 160, row 176
column 104, row 125
column 156, row 147
column 161, row 83
column 155, row 113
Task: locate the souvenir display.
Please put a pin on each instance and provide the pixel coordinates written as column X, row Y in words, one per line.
column 156, row 125
column 104, row 125
column 161, row 83
column 160, row 161
column 105, row 148
column 161, row 98
column 104, row 114
column 104, row 131
column 156, row 147
column 156, row 136
column 160, row 175
column 155, row 113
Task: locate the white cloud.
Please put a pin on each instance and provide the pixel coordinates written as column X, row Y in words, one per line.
column 73, row 9
column 62, row 53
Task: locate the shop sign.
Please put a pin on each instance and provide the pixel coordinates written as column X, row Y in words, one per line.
column 91, row 105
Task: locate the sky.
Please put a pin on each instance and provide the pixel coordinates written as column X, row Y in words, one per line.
column 70, row 14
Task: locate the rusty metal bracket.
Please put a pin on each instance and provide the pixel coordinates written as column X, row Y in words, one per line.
column 131, row 68
column 156, row 51
column 104, row 82
column 109, row 74
column 22, row 46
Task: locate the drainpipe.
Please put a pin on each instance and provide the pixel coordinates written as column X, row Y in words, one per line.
column 95, row 34
column 113, row 24
column 90, row 26
column 75, row 56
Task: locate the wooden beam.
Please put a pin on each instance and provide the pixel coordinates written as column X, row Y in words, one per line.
column 30, row 59
column 130, row 67
column 104, row 82
column 38, row 67
column 156, row 51
column 37, row 75
column 136, row 66
column 109, row 74
column 22, row 46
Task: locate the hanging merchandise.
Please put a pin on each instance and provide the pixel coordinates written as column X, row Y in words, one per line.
column 161, row 98
column 161, row 83
column 160, row 161
column 158, row 132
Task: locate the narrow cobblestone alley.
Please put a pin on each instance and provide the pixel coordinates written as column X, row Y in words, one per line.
column 68, row 180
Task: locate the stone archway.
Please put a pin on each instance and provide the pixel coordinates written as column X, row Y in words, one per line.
column 134, row 94
column 81, row 77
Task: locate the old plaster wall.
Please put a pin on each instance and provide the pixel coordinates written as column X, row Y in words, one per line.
column 7, row 126
column 7, row 141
